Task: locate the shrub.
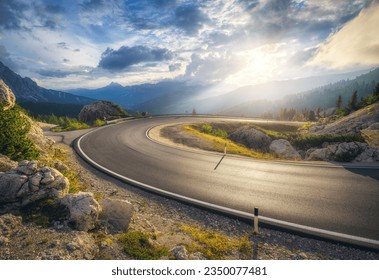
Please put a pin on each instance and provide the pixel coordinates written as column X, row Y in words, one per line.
column 216, row 246
column 14, row 127
column 138, row 245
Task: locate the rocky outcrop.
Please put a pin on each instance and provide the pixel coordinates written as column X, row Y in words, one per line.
column 371, row 135
column 116, row 215
column 353, row 123
column 345, row 152
column 103, row 110
column 283, row 149
column 7, row 98
column 252, row 138
column 83, row 210
column 29, row 183
column 6, row 163
column 36, row 135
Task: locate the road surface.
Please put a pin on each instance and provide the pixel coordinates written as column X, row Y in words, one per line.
column 336, row 199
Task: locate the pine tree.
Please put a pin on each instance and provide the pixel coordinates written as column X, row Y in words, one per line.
column 194, row 113
column 339, row 102
column 353, row 103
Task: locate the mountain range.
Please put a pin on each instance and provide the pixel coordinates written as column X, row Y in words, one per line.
column 27, row 90
column 178, row 97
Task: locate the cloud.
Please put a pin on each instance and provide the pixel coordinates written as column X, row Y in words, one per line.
column 213, row 67
column 11, row 14
column 55, row 73
column 357, row 43
column 125, row 57
column 190, row 19
column 5, row 57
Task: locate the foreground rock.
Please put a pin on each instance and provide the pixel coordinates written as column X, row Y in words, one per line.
column 345, row 152
column 83, row 210
column 7, row 98
column 116, row 215
column 103, row 110
column 283, row 149
column 252, row 138
column 29, row 183
column 180, row 253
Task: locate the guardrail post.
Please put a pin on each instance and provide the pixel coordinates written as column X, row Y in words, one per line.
column 255, row 220
column 225, row 150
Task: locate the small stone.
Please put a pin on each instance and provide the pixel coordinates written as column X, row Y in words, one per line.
column 180, row 252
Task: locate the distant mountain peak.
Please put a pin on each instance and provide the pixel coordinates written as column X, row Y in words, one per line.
column 114, row 84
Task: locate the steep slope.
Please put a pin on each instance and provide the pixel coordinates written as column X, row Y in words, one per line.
column 25, row 89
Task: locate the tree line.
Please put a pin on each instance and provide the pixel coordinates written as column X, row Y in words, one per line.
column 292, row 114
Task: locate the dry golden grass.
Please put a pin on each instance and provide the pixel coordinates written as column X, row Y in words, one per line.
column 231, row 147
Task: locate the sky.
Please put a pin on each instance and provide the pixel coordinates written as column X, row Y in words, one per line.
column 231, row 43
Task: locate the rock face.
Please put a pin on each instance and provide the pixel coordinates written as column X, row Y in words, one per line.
column 103, row 110
column 371, row 134
column 345, row 152
column 6, row 163
column 83, row 210
column 283, row 149
column 29, row 183
column 7, row 97
column 252, row 138
column 116, row 215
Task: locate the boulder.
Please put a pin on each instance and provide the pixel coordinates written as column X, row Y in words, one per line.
column 7, row 98
column 371, row 134
column 83, row 210
column 252, row 138
column 6, row 163
column 283, row 149
column 103, row 110
column 29, row 183
column 116, row 215
column 345, row 152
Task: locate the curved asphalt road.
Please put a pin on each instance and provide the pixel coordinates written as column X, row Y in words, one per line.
column 337, row 199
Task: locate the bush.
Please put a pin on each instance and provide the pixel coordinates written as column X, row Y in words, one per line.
column 208, row 129
column 138, row 245
column 14, row 127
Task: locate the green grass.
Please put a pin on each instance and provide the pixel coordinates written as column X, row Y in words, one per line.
column 138, row 245
column 215, row 246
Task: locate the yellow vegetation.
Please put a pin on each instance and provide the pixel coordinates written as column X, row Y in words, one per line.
column 232, row 147
column 216, row 246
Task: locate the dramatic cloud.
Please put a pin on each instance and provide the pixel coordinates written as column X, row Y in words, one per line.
column 125, row 57
column 11, row 13
column 190, row 19
column 77, row 43
column 357, row 43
